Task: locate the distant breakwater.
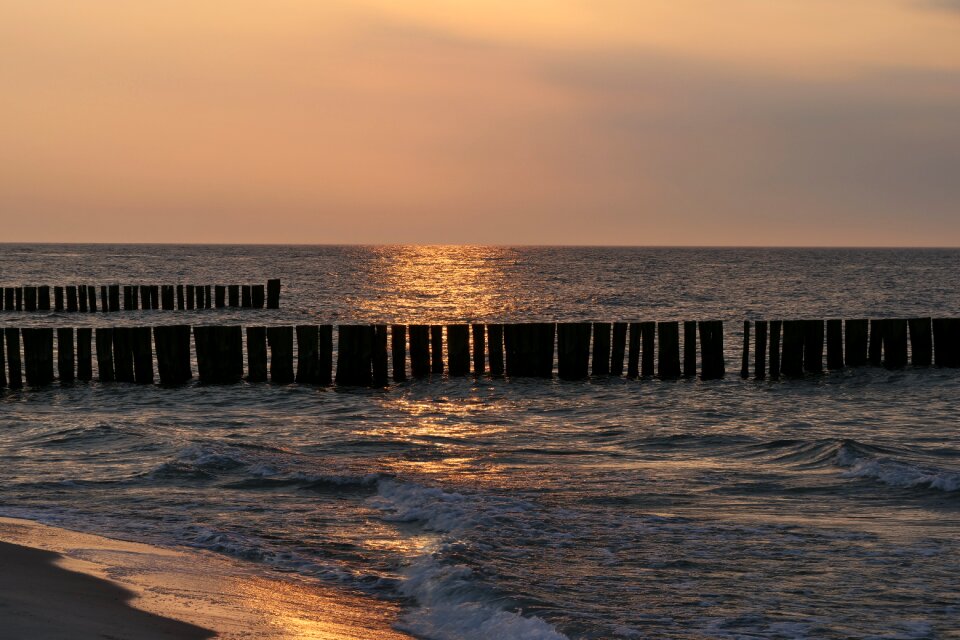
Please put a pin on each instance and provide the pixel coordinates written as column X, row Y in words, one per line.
column 144, row 297
column 373, row 355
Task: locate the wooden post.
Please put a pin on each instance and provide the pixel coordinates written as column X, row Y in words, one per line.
column 246, row 299
column 173, row 353
column 325, row 354
column 895, row 344
column 220, row 353
column 190, row 297
column 220, row 296
column 601, row 348
column 65, row 367
column 201, row 297
column 8, row 298
column 38, row 355
column 43, row 299
column 647, row 357
column 876, row 342
column 458, row 349
column 419, row 350
column 81, row 298
column 142, row 355
column 144, row 291
column 233, row 295
column 775, row 349
column 921, row 342
column 91, row 299
column 207, row 292
column 104, row 299
column 308, row 363
column 123, row 354
column 166, row 297
column 690, row 349
column 813, row 346
column 154, row 296
column 257, row 354
column 181, row 299
column 633, row 351
column 398, row 347
column 436, row 348
column 14, row 363
column 273, row 294
column 618, row 348
column 2, row 298
column 128, row 303
column 946, row 342
column 3, row 362
column 280, row 340
column 495, row 348
column 546, row 337
column 855, row 342
column 573, row 350
column 29, row 299
column 71, row 298
column 257, row 297
column 58, row 298
column 19, row 296
column 511, row 349
column 668, row 353
column 479, row 349
column 379, row 357
column 791, row 363
column 834, row 345
column 84, row 354
column 355, row 356
column 745, row 357
column 105, row 354
column 760, row 351
column 114, row 297
column 708, row 348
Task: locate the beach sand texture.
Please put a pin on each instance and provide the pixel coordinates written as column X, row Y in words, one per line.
column 58, row 584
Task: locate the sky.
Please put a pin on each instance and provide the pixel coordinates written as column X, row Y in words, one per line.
column 613, row 122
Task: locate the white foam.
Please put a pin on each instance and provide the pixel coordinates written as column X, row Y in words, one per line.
column 895, row 473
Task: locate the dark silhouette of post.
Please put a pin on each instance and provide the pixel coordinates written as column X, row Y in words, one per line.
column 876, row 342
column 379, row 359
column 668, row 352
column 38, row 355
column 618, row 348
column 65, row 360
column 419, row 350
column 601, row 348
column 233, row 295
column 57, row 299
column 633, row 351
column 84, row 354
column 123, row 354
column 835, row 345
column 308, row 360
column 760, row 351
column 458, row 349
column 791, row 362
column 142, row 355
column 14, row 362
column 246, row 296
column 745, row 356
column 479, row 349
column 573, row 350
column 855, row 342
column 398, row 348
column 273, row 294
column 436, row 348
column 43, row 298
column 220, row 296
column 895, row 344
column 256, row 354
column 257, row 297
column 72, row 299
column 172, row 344
column 280, row 340
column 813, row 346
column 921, row 342
column 495, row 348
column 355, row 356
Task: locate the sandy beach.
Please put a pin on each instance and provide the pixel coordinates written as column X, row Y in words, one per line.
column 58, row 584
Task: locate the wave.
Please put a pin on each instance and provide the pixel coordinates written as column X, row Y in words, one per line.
column 451, row 603
column 895, row 473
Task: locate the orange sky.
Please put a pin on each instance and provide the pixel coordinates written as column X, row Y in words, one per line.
column 765, row 122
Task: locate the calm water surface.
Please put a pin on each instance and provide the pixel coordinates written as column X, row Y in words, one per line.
column 822, row 508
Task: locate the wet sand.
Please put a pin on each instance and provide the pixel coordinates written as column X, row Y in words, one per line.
column 58, row 584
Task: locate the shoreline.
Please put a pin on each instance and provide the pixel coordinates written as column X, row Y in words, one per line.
column 58, row 583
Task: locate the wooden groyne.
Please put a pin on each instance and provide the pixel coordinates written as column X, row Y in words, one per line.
column 372, row 355
column 114, row 297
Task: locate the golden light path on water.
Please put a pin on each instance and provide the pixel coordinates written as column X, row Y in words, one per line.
column 423, row 283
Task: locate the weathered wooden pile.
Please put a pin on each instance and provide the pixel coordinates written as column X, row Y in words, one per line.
column 83, row 298
column 369, row 355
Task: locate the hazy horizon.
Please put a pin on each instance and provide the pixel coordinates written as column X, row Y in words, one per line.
column 614, row 122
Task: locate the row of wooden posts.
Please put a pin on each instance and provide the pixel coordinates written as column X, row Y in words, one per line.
column 794, row 348
column 83, row 298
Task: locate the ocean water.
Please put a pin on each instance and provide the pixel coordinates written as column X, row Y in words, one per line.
column 827, row 507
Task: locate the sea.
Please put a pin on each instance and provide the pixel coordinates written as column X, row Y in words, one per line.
column 825, row 507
